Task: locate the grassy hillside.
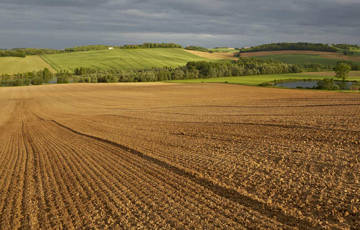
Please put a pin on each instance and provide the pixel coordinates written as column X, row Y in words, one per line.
column 12, row 65
column 126, row 59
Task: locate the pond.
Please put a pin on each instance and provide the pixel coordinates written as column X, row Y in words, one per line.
column 314, row 84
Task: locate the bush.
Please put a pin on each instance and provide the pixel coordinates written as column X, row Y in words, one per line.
column 36, row 81
column 266, row 84
column 328, row 84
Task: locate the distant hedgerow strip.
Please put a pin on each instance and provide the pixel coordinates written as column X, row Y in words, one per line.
column 23, row 52
column 192, row 70
column 291, row 46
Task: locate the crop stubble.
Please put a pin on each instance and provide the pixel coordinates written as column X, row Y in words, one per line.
column 178, row 156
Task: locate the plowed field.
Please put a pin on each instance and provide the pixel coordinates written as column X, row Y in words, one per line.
column 331, row 55
column 178, row 156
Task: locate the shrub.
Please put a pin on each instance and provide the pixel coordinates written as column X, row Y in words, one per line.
column 328, row 84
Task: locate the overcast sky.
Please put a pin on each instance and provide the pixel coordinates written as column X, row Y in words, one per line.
column 233, row 23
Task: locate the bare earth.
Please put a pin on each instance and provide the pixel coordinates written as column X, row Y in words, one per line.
column 215, row 55
column 178, row 156
column 322, row 54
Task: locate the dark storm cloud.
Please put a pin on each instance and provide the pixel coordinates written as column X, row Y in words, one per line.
column 61, row 23
column 56, row 3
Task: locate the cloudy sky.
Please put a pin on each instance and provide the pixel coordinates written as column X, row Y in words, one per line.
column 233, row 23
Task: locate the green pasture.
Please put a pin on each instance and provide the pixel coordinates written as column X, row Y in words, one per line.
column 122, row 59
column 13, row 65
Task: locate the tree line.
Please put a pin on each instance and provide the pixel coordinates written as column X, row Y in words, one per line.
column 315, row 67
column 347, row 49
column 291, row 46
column 30, row 78
column 23, row 52
column 128, row 46
column 197, row 48
column 192, row 70
column 150, row 45
column 346, row 46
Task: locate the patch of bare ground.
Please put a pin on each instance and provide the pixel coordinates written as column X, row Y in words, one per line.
column 332, row 55
column 214, row 55
column 178, row 156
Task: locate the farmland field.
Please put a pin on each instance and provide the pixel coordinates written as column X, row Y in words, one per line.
column 223, row 50
column 253, row 80
column 214, row 55
column 302, row 57
column 122, row 59
column 160, row 155
column 13, row 65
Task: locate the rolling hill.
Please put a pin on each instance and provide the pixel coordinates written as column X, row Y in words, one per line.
column 13, row 65
column 122, row 59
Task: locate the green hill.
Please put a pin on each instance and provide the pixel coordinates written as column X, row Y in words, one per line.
column 126, row 59
column 13, row 65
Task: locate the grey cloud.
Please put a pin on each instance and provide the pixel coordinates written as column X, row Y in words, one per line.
column 61, row 23
column 56, row 3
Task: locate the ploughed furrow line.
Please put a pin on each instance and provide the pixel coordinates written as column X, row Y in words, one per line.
column 71, row 195
column 6, row 161
column 155, row 181
column 45, row 203
column 70, row 168
column 15, row 185
column 220, row 190
column 92, row 177
column 8, row 181
column 296, row 165
column 54, row 190
column 131, row 177
column 76, row 183
column 92, row 189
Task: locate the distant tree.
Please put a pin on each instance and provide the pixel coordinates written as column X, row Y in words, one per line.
column 198, row 48
column 328, row 84
column 342, row 70
column 46, row 75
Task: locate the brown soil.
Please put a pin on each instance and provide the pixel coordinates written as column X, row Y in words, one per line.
column 322, row 54
column 215, row 55
column 180, row 156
